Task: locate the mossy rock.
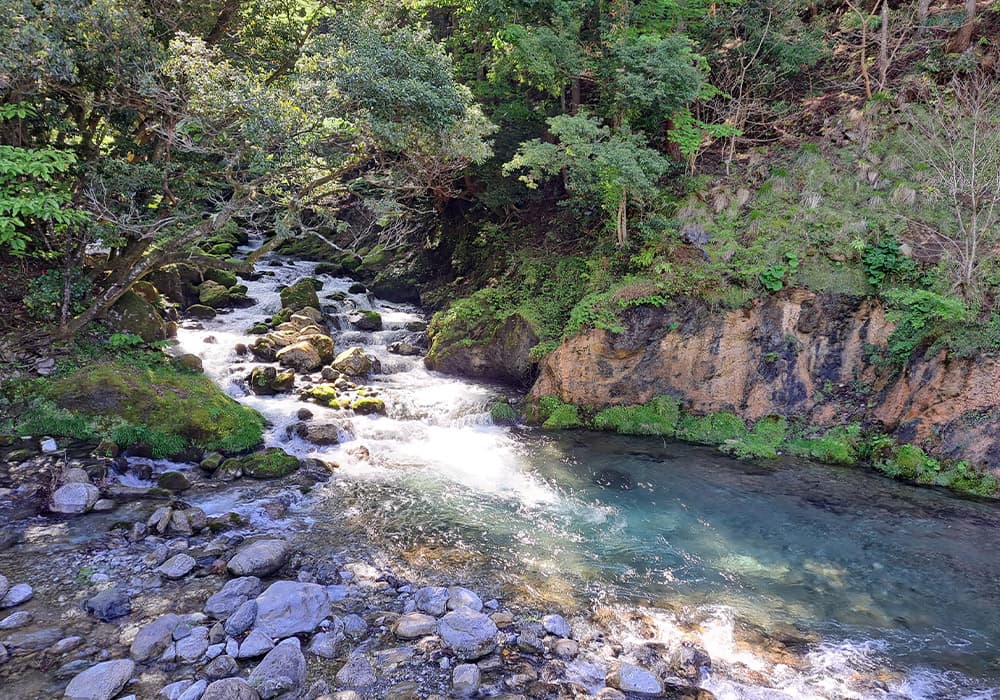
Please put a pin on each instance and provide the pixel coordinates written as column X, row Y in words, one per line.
column 224, row 277
column 213, row 294
column 211, row 462
column 222, row 249
column 176, row 409
column 272, row 463
column 201, row 311
column 357, row 288
column 133, row 314
column 258, row 329
column 368, row 405
column 300, row 295
column 148, row 291
column 366, row 320
column 188, row 361
column 323, row 394
column 173, row 481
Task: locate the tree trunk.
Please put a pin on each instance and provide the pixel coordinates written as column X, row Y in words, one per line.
column 923, row 9
column 621, row 225
column 963, row 39
column 574, row 99
column 883, row 48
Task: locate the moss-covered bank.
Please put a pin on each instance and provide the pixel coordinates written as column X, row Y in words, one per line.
column 768, row 438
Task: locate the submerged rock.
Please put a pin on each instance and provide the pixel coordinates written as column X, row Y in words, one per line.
column 632, row 679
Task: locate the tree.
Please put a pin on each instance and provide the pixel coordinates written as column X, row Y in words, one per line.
column 959, row 147
column 616, row 166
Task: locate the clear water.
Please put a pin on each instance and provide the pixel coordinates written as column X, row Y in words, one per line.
column 875, row 573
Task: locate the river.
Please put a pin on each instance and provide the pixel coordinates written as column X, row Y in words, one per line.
column 883, row 590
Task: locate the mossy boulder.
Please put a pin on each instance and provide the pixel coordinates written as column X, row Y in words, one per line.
column 201, row 311
column 366, row 405
column 357, row 288
column 300, row 295
column 173, row 481
column 301, row 356
column 353, row 362
column 267, row 381
column 213, row 294
column 366, row 320
column 133, row 314
column 189, row 362
column 323, row 394
column 147, row 290
column 175, row 410
column 177, row 282
column 272, row 463
column 224, row 277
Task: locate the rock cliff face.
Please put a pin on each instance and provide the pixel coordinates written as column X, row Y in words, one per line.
column 797, row 353
column 501, row 355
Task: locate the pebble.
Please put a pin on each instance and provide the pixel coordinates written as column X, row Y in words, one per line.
column 15, row 620
column 177, row 566
column 21, row 593
column 557, row 625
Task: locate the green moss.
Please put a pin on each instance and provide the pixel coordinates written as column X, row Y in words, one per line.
column 556, row 415
column 300, row 295
column 43, row 417
column 838, row 445
column 367, row 405
column 213, row 294
column 763, row 442
column 323, row 394
column 158, row 405
column 224, row 277
column 657, row 417
column 502, row 413
column 271, row 463
column 713, row 429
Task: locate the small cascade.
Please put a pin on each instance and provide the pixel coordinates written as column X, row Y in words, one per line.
column 578, row 520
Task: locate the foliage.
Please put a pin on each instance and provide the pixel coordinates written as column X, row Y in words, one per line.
column 884, row 262
column 45, row 293
column 712, row 429
column 763, row 442
column 920, row 315
column 556, row 415
column 658, row 416
column 834, row 446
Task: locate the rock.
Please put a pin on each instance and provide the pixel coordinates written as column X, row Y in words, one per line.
column 529, row 643
column 200, row 311
column 213, row 294
column 104, row 505
column 193, row 646
column 300, row 356
column 557, row 625
column 109, row 604
column 65, row 645
column 4, row 586
column 469, row 634
column 629, row 678
column 270, row 463
column 267, row 381
column 566, row 649
column 177, row 566
column 353, row 362
column 189, row 361
column 49, row 446
column 173, row 481
column 194, row 691
column 230, row 689
column 282, row 673
column 290, row 607
column 404, row 348
column 300, row 295
column 462, row 597
column 317, row 433
column 465, row 680
column 232, row 595
column 325, row 644
column 32, row 640
column 432, row 600
column 21, row 593
column 356, row 673
column 174, row 690
column 256, row 644
column 354, row 626
column 73, row 499
column 610, row 694
column 100, row 682
column 154, row 637
column 242, row 619
column 367, row 405
column 15, row 620
column 133, row 314
column 366, row 320
column 260, row 558
column 223, row 666
column 501, row 353
column 414, row 625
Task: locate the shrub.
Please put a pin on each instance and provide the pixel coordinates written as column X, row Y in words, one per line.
column 713, row 429
column 657, row 417
column 762, row 442
column 556, row 415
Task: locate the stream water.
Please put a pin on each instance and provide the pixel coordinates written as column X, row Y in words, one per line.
column 870, row 573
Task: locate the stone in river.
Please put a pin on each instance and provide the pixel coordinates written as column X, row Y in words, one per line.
column 100, row 682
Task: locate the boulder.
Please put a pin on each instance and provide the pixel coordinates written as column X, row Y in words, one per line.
column 321, row 342
column 317, row 433
column 260, row 558
column 177, row 566
column 356, row 673
column 300, row 295
column 242, row 619
column 15, row 595
column 109, row 604
column 405, row 348
column 629, row 678
column 366, row 320
column 267, row 381
column 173, row 481
column 465, row 680
column 271, row 463
column 368, row 405
column 193, row 646
column 353, row 362
column 232, row 595
column 469, row 634
column 189, row 362
column 432, row 600
column 282, row 673
column 213, row 294
column 557, row 625
column 459, row 597
column 100, row 682
column 230, row 689
column 414, row 625
column 74, row 498
column 256, row 644
column 301, row 356
column 291, row 607
column 133, row 314
column 154, row 637
column 326, row 644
